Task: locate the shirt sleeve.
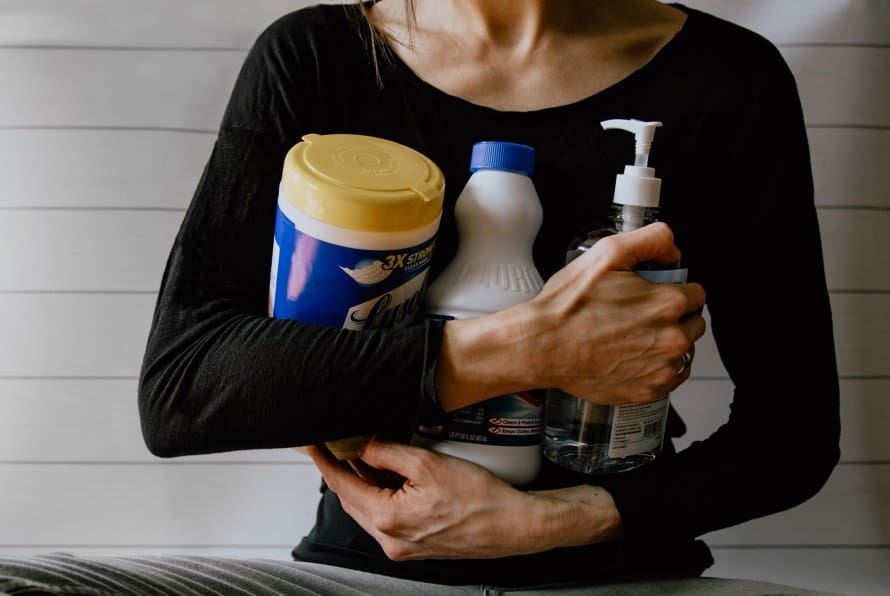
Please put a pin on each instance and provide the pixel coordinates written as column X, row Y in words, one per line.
column 218, row 373
column 771, row 318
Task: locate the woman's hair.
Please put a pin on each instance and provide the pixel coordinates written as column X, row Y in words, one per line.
column 378, row 40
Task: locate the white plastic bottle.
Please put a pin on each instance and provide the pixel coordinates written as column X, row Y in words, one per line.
column 590, row 438
column 498, row 216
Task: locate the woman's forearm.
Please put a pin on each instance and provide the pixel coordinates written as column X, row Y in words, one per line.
column 597, row 330
column 449, row 508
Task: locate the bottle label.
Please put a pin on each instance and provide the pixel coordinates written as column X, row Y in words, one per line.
column 338, row 286
column 637, row 428
column 514, row 420
column 664, row 276
column 501, row 277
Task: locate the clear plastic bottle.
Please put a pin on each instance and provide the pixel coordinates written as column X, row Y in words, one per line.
column 498, row 216
column 595, row 439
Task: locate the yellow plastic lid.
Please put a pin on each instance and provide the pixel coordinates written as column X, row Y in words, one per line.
column 362, row 183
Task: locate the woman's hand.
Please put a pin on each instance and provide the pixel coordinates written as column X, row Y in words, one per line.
column 597, row 330
column 443, row 507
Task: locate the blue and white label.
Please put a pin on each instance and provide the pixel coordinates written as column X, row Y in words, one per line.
column 665, row 276
column 515, row 420
column 338, row 286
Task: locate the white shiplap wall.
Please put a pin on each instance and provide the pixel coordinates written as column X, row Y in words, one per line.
column 107, row 113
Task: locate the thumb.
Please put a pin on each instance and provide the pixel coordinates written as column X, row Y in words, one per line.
column 652, row 242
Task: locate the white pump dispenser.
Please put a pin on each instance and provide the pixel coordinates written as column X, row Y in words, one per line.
column 638, row 184
column 597, row 439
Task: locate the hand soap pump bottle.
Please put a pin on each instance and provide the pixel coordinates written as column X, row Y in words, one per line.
column 596, row 439
column 498, row 215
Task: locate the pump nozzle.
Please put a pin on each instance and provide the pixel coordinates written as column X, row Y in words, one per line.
column 643, row 133
column 638, row 184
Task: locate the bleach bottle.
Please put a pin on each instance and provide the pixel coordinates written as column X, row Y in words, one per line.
column 498, row 217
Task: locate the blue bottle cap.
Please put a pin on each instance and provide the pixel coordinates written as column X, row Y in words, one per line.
column 500, row 155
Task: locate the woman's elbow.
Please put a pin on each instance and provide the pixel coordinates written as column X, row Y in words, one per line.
column 158, row 434
column 804, row 480
column 164, row 431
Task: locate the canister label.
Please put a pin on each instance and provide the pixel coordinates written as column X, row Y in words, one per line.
column 338, row 286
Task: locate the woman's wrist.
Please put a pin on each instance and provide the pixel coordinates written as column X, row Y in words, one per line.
column 574, row 516
column 484, row 357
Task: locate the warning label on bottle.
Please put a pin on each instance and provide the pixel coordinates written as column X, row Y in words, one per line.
column 514, row 419
column 637, row 428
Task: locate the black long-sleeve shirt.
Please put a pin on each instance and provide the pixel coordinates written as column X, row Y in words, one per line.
column 220, row 375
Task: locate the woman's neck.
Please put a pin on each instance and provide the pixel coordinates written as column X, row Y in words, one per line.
column 526, row 54
column 519, row 25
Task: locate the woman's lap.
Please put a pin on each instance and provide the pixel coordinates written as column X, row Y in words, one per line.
column 182, row 575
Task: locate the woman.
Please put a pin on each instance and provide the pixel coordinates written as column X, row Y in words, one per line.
column 438, row 76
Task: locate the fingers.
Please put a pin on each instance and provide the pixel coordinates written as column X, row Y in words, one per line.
column 653, row 242
column 695, row 296
column 320, row 455
column 376, row 476
column 404, row 460
column 381, row 464
column 344, row 482
column 684, row 365
column 324, row 460
column 694, row 326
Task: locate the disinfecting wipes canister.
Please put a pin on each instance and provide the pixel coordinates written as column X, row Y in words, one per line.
column 354, row 236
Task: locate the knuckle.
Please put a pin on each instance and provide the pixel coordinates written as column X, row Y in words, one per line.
column 425, row 460
column 674, row 301
column 333, row 484
column 675, row 342
column 394, row 549
column 349, row 509
column 608, row 248
column 666, row 378
column 386, row 522
column 664, row 229
column 644, row 394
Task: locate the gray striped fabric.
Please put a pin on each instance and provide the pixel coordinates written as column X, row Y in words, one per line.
column 193, row 575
